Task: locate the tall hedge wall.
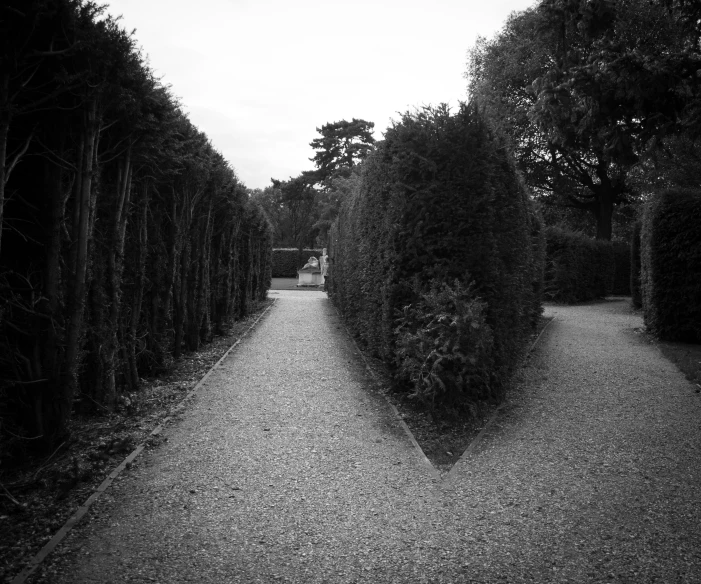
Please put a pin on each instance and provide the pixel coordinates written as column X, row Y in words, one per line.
column 127, row 239
column 286, row 261
column 577, row 267
column 671, row 262
column 635, row 291
column 621, row 260
column 440, row 230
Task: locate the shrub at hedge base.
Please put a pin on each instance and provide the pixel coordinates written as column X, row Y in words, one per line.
column 671, row 262
column 286, row 261
column 444, row 345
column 438, row 213
column 577, row 268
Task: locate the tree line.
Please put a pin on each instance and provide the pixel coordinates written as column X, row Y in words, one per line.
column 303, row 208
column 126, row 237
column 600, row 100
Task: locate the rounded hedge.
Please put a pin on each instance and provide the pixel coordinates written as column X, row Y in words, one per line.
column 671, row 257
column 440, row 221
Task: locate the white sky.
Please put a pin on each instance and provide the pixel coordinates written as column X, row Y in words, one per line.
column 259, row 76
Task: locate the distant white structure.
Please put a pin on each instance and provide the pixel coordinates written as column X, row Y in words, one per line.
column 310, row 274
column 324, row 265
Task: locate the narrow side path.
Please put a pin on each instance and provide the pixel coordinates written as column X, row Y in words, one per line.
column 593, row 470
column 288, row 468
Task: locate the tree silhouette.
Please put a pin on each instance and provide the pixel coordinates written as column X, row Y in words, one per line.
column 584, row 88
column 341, row 146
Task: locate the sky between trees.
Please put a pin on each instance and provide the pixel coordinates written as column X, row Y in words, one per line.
column 258, row 77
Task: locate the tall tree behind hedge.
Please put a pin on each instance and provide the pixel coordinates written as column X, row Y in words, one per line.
column 584, row 88
column 340, row 148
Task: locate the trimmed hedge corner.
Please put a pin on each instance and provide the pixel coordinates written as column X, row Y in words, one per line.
column 436, row 258
column 635, row 290
column 621, row 258
column 286, row 261
column 577, row 267
column 671, row 257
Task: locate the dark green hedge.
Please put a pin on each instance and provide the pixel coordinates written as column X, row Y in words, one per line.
column 635, row 290
column 286, row 261
column 621, row 258
column 440, row 229
column 671, row 265
column 577, row 268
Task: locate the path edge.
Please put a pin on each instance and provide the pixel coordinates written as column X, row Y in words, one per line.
column 435, row 473
column 472, row 446
column 74, row 519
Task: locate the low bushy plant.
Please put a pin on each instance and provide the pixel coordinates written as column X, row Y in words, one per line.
column 671, row 258
column 444, row 346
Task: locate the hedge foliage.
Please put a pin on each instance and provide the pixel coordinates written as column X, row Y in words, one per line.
column 635, row 267
column 440, row 334
column 127, row 238
column 437, row 257
column 621, row 259
column 286, row 261
column 671, row 258
column 578, row 268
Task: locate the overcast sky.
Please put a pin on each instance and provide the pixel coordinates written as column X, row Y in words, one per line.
column 259, row 76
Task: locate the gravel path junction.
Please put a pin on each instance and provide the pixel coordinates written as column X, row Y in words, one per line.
column 287, row 468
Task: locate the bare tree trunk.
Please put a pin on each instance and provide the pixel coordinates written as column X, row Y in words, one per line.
column 246, row 267
column 115, row 263
column 194, row 288
column 164, row 282
column 235, row 291
column 604, row 215
column 4, row 134
column 139, row 284
column 49, row 341
column 204, row 326
column 605, row 197
column 82, row 232
column 4, row 131
column 180, row 299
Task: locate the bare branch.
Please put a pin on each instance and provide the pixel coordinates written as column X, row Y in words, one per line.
column 16, row 11
column 19, row 155
column 55, row 158
column 52, row 53
column 9, row 495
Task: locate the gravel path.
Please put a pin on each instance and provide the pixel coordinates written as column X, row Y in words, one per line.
column 287, row 468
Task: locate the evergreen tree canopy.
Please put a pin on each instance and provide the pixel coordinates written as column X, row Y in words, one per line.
column 291, row 206
column 342, row 145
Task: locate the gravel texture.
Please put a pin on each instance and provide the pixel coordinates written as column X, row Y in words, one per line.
column 287, row 468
